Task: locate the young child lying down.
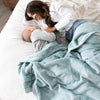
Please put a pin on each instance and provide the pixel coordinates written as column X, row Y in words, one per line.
column 38, row 37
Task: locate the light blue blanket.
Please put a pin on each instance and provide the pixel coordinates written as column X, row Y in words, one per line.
column 66, row 73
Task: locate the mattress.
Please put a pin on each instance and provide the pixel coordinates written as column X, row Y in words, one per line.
column 13, row 49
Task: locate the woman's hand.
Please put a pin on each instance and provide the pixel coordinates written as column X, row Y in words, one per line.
column 50, row 29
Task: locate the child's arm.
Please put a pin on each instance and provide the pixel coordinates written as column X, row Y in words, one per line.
column 42, row 35
column 32, row 28
column 50, row 29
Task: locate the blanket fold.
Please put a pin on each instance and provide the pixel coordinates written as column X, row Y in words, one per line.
column 66, row 73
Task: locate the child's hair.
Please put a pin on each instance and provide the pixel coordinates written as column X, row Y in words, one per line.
column 26, row 35
column 42, row 8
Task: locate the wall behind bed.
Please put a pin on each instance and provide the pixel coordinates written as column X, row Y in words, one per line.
column 4, row 16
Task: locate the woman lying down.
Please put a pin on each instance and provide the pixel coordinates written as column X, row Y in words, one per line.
column 38, row 37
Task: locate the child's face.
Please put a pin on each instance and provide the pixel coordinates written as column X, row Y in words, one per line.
column 35, row 16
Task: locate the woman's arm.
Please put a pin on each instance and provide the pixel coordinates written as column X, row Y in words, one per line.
column 63, row 14
column 68, row 16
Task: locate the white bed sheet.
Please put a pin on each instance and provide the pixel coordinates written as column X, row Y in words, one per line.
column 13, row 49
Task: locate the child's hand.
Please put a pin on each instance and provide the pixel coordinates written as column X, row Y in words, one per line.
column 50, row 29
column 32, row 28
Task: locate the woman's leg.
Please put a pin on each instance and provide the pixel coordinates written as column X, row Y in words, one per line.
column 70, row 32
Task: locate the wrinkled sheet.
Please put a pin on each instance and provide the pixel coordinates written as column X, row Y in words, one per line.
column 60, row 73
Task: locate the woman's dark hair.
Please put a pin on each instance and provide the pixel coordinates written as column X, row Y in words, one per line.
column 42, row 8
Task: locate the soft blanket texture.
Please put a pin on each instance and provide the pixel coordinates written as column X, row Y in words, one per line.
column 60, row 73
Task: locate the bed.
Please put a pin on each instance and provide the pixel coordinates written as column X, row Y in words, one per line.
column 13, row 49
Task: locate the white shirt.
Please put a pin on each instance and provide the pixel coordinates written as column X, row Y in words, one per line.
column 61, row 13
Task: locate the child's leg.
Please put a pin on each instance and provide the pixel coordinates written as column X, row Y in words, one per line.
column 39, row 44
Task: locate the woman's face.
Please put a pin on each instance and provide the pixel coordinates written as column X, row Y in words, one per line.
column 35, row 16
